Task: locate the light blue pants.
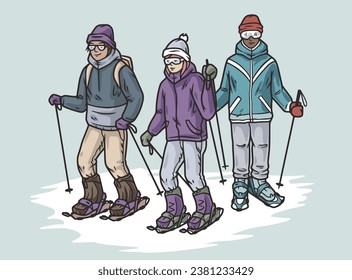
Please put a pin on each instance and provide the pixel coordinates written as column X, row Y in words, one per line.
column 189, row 153
column 251, row 146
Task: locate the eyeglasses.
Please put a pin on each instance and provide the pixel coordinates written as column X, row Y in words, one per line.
column 173, row 60
column 254, row 34
column 100, row 47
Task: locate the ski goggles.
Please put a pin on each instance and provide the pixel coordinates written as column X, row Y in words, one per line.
column 173, row 60
column 100, row 47
column 254, row 34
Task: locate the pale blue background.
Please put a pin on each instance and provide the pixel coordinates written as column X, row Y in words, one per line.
column 43, row 51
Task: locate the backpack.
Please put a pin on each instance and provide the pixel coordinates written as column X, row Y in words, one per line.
column 125, row 60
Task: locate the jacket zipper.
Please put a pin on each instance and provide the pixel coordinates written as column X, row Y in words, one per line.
column 176, row 109
column 250, row 90
column 98, row 79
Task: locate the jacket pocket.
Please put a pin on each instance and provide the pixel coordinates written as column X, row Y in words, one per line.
column 234, row 104
column 192, row 128
column 264, row 103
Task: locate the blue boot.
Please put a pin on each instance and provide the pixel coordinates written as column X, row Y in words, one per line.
column 240, row 195
column 262, row 190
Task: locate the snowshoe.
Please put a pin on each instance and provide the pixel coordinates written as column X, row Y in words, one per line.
column 92, row 210
column 265, row 193
column 175, row 215
column 93, row 202
column 125, row 209
column 129, row 199
column 173, row 222
column 240, row 196
column 206, row 212
column 200, row 221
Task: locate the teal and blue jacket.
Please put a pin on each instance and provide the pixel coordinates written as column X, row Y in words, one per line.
column 250, row 82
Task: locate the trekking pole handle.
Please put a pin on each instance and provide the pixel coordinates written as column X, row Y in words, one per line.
column 299, row 93
column 151, row 149
column 299, row 96
column 133, row 128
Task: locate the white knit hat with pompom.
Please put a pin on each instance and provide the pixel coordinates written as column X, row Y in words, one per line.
column 178, row 47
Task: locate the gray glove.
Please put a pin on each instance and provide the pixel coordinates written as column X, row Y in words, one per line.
column 209, row 72
column 146, row 138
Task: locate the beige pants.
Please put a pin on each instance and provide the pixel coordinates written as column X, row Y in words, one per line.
column 113, row 143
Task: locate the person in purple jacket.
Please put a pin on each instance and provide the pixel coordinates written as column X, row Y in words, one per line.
column 185, row 103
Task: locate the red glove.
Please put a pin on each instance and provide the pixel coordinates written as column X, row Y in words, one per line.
column 296, row 110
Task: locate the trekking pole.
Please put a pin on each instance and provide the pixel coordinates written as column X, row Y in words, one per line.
column 216, row 150
column 217, row 154
column 299, row 94
column 69, row 189
column 133, row 130
column 217, row 123
column 152, row 149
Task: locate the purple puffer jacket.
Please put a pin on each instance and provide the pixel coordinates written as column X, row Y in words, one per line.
column 184, row 104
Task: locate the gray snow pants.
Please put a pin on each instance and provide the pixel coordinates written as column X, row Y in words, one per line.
column 189, row 153
column 251, row 145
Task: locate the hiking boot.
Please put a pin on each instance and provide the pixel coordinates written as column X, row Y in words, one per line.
column 240, row 195
column 126, row 190
column 206, row 211
column 262, row 190
column 175, row 214
column 129, row 198
column 93, row 199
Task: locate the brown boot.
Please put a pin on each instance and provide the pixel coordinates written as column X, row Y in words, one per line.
column 93, row 195
column 126, row 190
column 129, row 200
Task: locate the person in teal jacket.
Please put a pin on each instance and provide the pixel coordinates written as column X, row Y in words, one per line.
column 250, row 83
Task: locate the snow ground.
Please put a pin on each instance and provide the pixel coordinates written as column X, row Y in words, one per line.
column 131, row 233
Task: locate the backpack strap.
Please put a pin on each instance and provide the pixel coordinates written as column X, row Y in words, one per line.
column 125, row 61
column 118, row 67
column 89, row 69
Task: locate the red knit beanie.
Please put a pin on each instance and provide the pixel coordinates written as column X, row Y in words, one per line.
column 250, row 23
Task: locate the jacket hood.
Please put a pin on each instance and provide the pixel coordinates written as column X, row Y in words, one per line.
column 175, row 77
column 115, row 54
column 259, row 50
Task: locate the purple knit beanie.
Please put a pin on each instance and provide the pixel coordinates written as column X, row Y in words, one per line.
column 104, row 33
